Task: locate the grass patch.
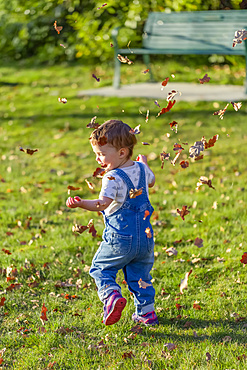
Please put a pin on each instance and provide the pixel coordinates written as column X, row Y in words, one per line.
column 36, row 227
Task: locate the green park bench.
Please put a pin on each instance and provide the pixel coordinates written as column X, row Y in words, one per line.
column 199, row 32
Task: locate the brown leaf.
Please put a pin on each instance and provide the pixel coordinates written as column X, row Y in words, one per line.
column 128, row 355
column 93, row 124
column 137, row 329
column 167, row 108
column 2, row 300
column 57, row 28
column 196, row 306
column 99, row 172
column 29, row 151
column 183, row 212
column 184, row 164
column 208, row 356
column 170, row 346
column 236, row 106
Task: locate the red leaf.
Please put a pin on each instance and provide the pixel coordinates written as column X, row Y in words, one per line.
column 166, row 109
column 244, row 258
column 2, row 301
column 164, row 83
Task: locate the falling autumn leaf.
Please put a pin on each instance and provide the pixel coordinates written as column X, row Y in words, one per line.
column 239, row 36
column 184, row 282
column 57, row 28
column 204, row 181
column 221, row 112
column 167, row 108
column 133, row 193
column 148, row 232
column 124, row 59
column 62, row 100
column 93, row 124
column 136, row 130
column 102, row 141
column 146, row 71
column 172, row 94
column 70, row 187
column 164, row 83
column 99, row 172
column 210, row 142
column 89, row 184
column 183, row 212
column 164, row 156
column 146, row 214
column 236, row 106
column 96, row 78
column 195, row 149
column 28, row 151
column 184, row 164
column 143, row 284
column 204, row 79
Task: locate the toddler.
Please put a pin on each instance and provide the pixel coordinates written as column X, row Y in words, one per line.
column 128, row 237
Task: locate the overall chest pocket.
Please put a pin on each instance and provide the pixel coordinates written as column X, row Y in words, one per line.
column 119, row 243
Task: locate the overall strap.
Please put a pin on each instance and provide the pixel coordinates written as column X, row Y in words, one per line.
column 124, row 177
column 142, row 179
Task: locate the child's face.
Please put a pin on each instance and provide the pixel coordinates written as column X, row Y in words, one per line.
column 107, row 156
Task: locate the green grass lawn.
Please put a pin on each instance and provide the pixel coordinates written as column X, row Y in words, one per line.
column 36, row 225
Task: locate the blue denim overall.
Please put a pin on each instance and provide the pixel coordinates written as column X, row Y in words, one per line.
column 126, row 246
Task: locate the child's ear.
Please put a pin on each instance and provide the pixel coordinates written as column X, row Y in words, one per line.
column 123, row 152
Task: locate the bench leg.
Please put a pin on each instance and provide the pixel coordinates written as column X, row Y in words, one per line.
column 146, row 59
column 117, row 72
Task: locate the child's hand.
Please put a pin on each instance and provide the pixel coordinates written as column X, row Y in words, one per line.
column 142, row 158
column 73, row 202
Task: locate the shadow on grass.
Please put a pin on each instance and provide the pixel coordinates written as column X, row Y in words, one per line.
column 224, row 335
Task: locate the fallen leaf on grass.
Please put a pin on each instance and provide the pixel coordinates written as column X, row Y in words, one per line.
column 137, row 329
column 128, row 355
column 13, row 286
column 171, row 251
column 183, row 212
column 198, row 242
column 184, row 282
column 244, row 258
column 143, row 284
column 208, row 356
column 204, row 79
column 43, row 316
column 196, row 306
column 2, row 300
column 170, row 346
column 29, row 151
column 6, row 251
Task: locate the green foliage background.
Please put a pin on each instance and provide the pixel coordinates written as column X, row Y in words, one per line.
column 26, row 26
